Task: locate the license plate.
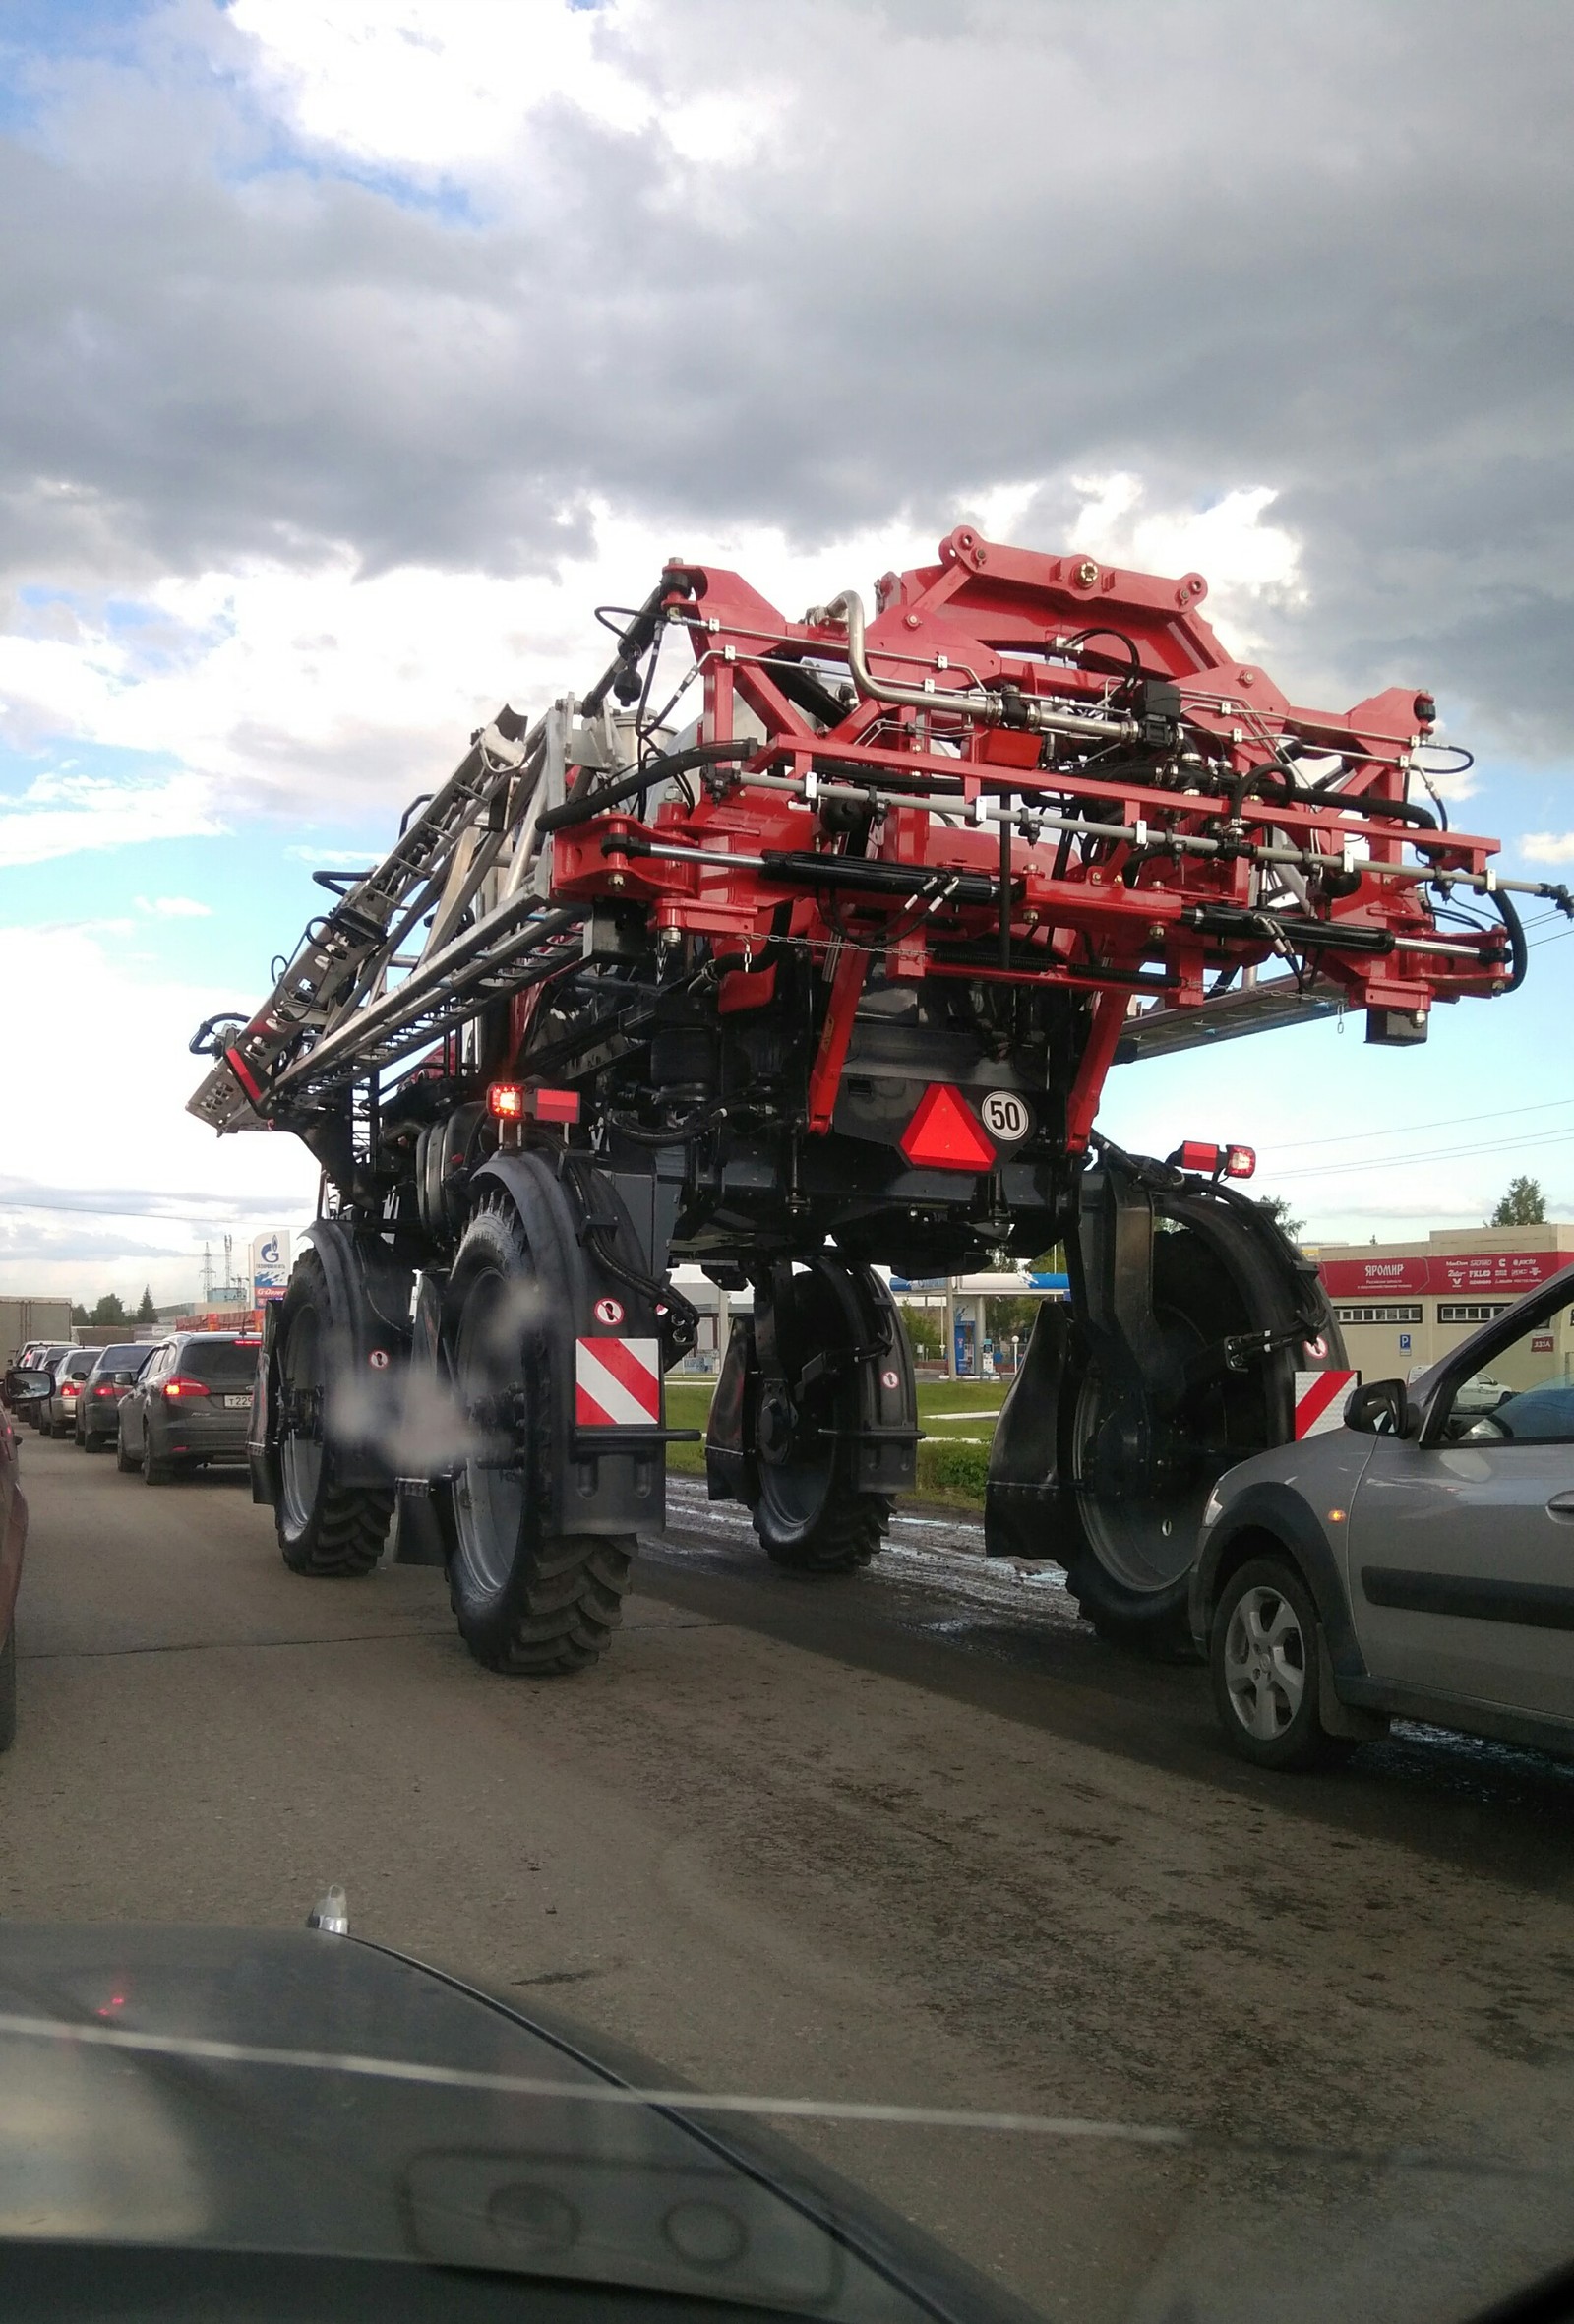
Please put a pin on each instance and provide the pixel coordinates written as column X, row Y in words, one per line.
column 236, row 1403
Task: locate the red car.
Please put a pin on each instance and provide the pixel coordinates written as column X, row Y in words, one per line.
column 13, row 1540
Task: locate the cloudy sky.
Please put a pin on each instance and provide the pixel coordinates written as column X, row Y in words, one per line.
column 350, row 351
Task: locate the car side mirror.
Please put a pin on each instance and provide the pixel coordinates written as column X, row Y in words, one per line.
column 29, row 1387
column 1380, row 1408
column 123, row 1379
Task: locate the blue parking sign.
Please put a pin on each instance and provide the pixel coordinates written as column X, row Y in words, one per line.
column 1404, row 1343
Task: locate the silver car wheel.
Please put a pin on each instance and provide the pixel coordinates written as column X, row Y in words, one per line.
column 1266, row 1663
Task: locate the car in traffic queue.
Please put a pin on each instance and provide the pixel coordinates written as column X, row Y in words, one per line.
column 38, row 1359
column 67, row 1373
column 1415, row 1561
column 189, row 1404
column 13, row 1543
column 98, row 1404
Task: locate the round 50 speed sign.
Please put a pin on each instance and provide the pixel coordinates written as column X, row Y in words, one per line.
column 1007, row 1118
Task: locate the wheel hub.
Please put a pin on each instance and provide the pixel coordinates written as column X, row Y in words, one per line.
column 777, row 1430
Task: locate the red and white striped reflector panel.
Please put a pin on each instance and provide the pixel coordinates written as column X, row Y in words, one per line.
column 1320, row 1400
column 617, row 1384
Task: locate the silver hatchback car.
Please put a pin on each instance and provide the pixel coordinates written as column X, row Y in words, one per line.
column 1415, row 1561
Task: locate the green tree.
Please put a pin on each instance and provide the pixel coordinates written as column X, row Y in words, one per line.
column 1278, row 1208
column 923, row 1329
column 1523, row 1206
column 146, row 1313
column 1012, row 1317
column 109, row 1309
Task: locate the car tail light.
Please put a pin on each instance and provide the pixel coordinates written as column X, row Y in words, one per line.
column 180, row 1389
column 104, row 1387
column 944, row 1132
column 71, row 1387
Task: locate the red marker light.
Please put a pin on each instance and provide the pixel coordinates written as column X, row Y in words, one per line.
column 1239, row 1161
column 512, row 1101
column 555, row 1105
column 1194, row 1155
column 945, row 1134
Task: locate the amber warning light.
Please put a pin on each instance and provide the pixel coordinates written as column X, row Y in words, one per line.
column 1215, row 1161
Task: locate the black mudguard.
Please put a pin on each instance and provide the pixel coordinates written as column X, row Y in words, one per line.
column 599, row 1480
column 423, row 1429
column 1028, row 1506
column 369, row 1310
column 1022, row 1493
column 731, row 1471
column 877, row 1402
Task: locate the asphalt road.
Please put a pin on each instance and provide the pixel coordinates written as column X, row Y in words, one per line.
column 915, row 1837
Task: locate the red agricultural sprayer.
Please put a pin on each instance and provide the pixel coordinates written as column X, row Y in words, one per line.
column 800, row 950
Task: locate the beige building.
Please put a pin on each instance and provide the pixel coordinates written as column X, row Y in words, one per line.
column 1401, row 1306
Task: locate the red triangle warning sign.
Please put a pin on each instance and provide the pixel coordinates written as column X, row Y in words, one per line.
column 944, row 1132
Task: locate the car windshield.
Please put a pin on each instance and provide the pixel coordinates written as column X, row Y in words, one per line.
column 787, row 885
column 226, row 1363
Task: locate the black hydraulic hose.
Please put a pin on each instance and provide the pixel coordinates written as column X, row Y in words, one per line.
column 1518, row 950
column 1402, row 811
column 635, row 641
column 872, row 876
column 580, row 808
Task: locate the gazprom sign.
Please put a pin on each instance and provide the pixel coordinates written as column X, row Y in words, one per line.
column 270, row 1264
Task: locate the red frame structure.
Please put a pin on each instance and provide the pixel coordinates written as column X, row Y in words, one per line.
column 1147, row 878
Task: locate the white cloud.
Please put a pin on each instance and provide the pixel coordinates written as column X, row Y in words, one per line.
column 1248, row 565
column 1547, row 848
column 298, row 690
column 450, row 88
column 304, row 690
column 60, row 814
column 174, row 907
column 119, row 1134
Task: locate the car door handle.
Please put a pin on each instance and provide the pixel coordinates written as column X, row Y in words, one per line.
column 1561, row 1505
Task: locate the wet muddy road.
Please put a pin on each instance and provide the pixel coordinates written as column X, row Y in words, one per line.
column 915, row 1836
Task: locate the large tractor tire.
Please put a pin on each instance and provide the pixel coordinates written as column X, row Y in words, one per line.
column 808, row 1514
column 526, row 1601
column 1135, row 1477
column 326, row 1530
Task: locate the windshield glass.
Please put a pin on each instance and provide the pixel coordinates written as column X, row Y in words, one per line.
column 230, row 1362
column 787, row 888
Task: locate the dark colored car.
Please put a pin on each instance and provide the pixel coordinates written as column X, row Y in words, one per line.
column 293, row 2126
column 189, row 1404
column 98, row 1405
column 13, row 1541
column 67, row 1373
